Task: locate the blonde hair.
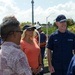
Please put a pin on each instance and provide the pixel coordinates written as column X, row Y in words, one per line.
column 23, row 34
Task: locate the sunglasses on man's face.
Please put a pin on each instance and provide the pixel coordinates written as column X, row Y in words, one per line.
column 17, row 31
column 31, row 29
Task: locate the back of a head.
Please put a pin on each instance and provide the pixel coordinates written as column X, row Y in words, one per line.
column 37, row 26
column 9, row 24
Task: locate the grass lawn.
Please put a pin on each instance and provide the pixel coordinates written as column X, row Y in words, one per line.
column 45, row 62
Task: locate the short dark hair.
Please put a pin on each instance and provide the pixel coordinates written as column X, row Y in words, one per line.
column 9, row 24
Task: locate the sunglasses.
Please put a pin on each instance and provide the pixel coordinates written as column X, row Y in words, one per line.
column 30, row 29
column 19, row 31
column 11, row 32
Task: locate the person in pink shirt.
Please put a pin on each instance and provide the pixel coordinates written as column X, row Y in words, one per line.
column 30, row 47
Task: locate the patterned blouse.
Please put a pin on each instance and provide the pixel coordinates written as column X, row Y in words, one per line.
column 13, row 61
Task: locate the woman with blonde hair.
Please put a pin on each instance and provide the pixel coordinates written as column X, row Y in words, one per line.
column 31, row 49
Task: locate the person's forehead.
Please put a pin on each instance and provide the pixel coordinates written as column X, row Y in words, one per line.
column 61, row 22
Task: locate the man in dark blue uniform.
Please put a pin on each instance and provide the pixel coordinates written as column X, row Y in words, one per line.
column 61, row 44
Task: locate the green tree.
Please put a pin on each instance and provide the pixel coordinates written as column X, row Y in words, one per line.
column 24, row 23
column 70, row 22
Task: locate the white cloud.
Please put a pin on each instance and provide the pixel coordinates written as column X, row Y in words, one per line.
column 8, row 7
column 67, row 9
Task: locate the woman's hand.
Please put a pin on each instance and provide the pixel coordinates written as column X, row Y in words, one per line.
column 39, row 69
column 36, row 71
column 51, row 69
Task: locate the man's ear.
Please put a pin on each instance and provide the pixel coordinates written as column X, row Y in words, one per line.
column 56, row 23
column 14, row 34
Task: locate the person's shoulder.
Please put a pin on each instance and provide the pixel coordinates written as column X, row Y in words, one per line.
column 70, row 33
column 73, row 59
column 34, row 39
column 43, row 33
column 22, row 41
column 54, row 33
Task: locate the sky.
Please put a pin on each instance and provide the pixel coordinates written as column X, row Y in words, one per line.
column 44, row 10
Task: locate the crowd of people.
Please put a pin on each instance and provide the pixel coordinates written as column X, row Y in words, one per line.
column 22, row 50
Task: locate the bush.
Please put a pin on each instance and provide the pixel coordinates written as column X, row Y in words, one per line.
column 50, row 30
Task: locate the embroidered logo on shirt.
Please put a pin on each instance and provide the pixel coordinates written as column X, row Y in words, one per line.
column 70, row 39
column 55, row 40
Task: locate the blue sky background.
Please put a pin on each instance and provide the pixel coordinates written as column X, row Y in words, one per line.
column 42, row 9
column 26, row 4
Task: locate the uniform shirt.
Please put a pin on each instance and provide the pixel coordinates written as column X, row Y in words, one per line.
column 42, row 38
column 62, row 45
column 32, row 52
column 71, row 68
column 12, row 60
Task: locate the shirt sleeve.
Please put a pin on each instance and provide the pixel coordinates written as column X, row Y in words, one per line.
column 71, row 68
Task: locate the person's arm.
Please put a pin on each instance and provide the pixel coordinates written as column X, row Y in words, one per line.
column 40, row 63
column 42, row 44
column 49, row 56
column 71, row 67
column 40, row 60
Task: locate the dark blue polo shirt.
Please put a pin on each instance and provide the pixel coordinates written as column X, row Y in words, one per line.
column 71, row 68
column 42, row 37
column 62, row 45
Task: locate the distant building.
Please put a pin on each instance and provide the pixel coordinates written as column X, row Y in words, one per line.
column 45, row 25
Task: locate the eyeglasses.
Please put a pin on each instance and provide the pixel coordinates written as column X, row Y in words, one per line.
column 30, row 29
column 10, row 33
column 18, row 31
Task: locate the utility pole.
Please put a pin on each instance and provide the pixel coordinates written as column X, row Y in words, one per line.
column 47, row 24
column 32, row 12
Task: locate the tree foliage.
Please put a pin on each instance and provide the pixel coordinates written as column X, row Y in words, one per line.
column 70, row 22
column 24, row 23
